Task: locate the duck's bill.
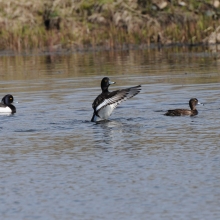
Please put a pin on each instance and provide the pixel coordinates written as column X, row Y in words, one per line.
column 111, row 82
column 199, row 103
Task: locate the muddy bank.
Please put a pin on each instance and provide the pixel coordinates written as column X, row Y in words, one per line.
column 68, row 24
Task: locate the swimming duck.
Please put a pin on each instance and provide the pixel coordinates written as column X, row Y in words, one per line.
column 107, row 101
column 6, row 106
column 180, row 112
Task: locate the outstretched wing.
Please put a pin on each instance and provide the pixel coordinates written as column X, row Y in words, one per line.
column 115, row 98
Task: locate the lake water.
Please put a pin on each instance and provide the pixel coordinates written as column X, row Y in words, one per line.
column 140, row 164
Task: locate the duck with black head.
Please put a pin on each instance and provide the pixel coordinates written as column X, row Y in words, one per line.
column 181, row 112
column 6, row 104
column 106, row 102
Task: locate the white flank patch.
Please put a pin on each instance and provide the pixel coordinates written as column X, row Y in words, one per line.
column 105, row 112
column 5, row 110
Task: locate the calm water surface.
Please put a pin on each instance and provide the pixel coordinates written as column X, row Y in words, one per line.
column 56, row 164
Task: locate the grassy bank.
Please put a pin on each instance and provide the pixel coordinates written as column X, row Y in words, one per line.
column 58, row 24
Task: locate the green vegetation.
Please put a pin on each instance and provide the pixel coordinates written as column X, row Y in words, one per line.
column 55, row 24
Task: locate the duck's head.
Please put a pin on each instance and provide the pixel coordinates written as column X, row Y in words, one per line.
column 7, row 99
column 105, row 83
column 193, row 102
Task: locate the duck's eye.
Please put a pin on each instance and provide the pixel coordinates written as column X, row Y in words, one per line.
column 10, row 98
column 106, row 80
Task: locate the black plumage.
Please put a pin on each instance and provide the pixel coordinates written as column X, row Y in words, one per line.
column 107, row 101
column 181, row 112
column 6, row 102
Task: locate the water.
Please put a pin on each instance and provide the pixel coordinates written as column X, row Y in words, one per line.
column 56, row 164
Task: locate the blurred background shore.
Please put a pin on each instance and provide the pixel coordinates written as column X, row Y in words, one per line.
column 110, row 24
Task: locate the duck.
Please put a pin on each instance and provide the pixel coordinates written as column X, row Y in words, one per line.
column 106, row 102
column 6, row 106
column 181, row 112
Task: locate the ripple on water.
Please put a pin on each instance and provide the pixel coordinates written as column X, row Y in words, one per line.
column 139, row 164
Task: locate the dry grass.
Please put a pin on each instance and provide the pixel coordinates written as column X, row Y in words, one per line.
column 52, row 24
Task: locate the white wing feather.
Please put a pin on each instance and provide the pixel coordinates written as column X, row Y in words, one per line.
column 121, row 96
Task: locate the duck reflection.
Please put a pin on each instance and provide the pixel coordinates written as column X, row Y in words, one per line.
column 105, row 131
column 6, row 114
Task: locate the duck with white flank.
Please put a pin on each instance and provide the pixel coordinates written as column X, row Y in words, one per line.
column 6, row 106
column 107, row 101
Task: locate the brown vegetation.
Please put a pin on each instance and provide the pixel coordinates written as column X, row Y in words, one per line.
column 59, row 24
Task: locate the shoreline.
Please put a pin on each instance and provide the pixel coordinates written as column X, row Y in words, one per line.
column 79, row 25
column 86, row 49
